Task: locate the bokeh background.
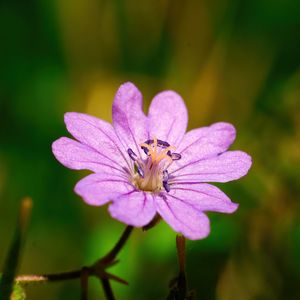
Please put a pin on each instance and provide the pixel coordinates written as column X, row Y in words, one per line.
column 231, row 60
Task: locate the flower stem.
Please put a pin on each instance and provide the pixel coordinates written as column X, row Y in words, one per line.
column 180, row 245
column 182, row 284
column 119, row 245
column 178, row 285
column 107, row 289
column 98, row 269
column 84, row 280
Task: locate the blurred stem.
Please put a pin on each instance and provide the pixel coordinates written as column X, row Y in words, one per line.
column 98, row 269
column 180, row 244
column 119, row 245
column 181, row 283
column 178, row 285
column 13, row 257
column 107, row 289
column 84, row 280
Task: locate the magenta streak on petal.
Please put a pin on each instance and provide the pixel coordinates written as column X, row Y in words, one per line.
column 231, row 164
column 175, row 216
column 221, row 206
column 184, row 202
column 171, row 210
column 204, row 143
column 109, row 137
column 78, row 156
column 98, row 189
column 132, row 136
column 136, row 210
column 129, row 120
column 170, row 130
column 167, row 117
column 206, row 132
column 109, row 180
column 103, row 164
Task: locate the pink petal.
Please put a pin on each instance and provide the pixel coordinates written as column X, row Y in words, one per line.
column 230, row 165
column 96, row 134
column 98, row 189
column 204, row 142
column 136, row 208
column 168, row 117
column 129, row 120
column 204, row 197
column 183, row 217
column 75, row 155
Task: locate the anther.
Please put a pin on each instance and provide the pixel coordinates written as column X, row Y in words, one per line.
column 146, row 150
column 165, row 181
column 166, row 186
column 131, row 154
column 140, row 171
column 165, row 176
column 175, row 156
column 163, row 144
column 160, row 143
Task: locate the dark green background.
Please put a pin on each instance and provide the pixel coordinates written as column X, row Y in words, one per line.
column 231, row 60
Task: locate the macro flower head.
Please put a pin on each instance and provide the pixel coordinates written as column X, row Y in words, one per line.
column 144, row 165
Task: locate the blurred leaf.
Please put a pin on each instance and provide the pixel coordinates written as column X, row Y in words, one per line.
column 18, row 292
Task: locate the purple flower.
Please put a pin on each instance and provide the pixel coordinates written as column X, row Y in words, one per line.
column 148, row 165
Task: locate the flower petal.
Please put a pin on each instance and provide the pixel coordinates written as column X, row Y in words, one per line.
column 129, row 120
column 183, row 217
column 204, row 197
column 205, row 142
column 168, row 117
column 136, row 208
column 98, row 189
column 230, row 165
column 96, row 134
column 75, row 155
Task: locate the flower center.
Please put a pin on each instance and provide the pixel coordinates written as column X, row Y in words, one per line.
column 151, row 174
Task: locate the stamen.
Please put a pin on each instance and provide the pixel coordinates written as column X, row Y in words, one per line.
column 163, row 144
column 149, row 142
column 175, row 156
column 155, row 144
column 131, row 154
column 140, row 171
column 165, row 181
column 164, row 154
column 152, row 171
column 165, row 175
column 146, row 150
column 167, row 187
column 146, row 146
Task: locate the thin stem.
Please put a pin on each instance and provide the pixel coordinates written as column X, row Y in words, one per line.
column 119, row 245
column 178, row 285
column 49, row 277
column 180, row 245
column 84, row 280
column 107, row 289
column 182, row 283
column 97, row 269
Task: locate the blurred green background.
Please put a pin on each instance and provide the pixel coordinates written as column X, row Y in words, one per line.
column 231, row 60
